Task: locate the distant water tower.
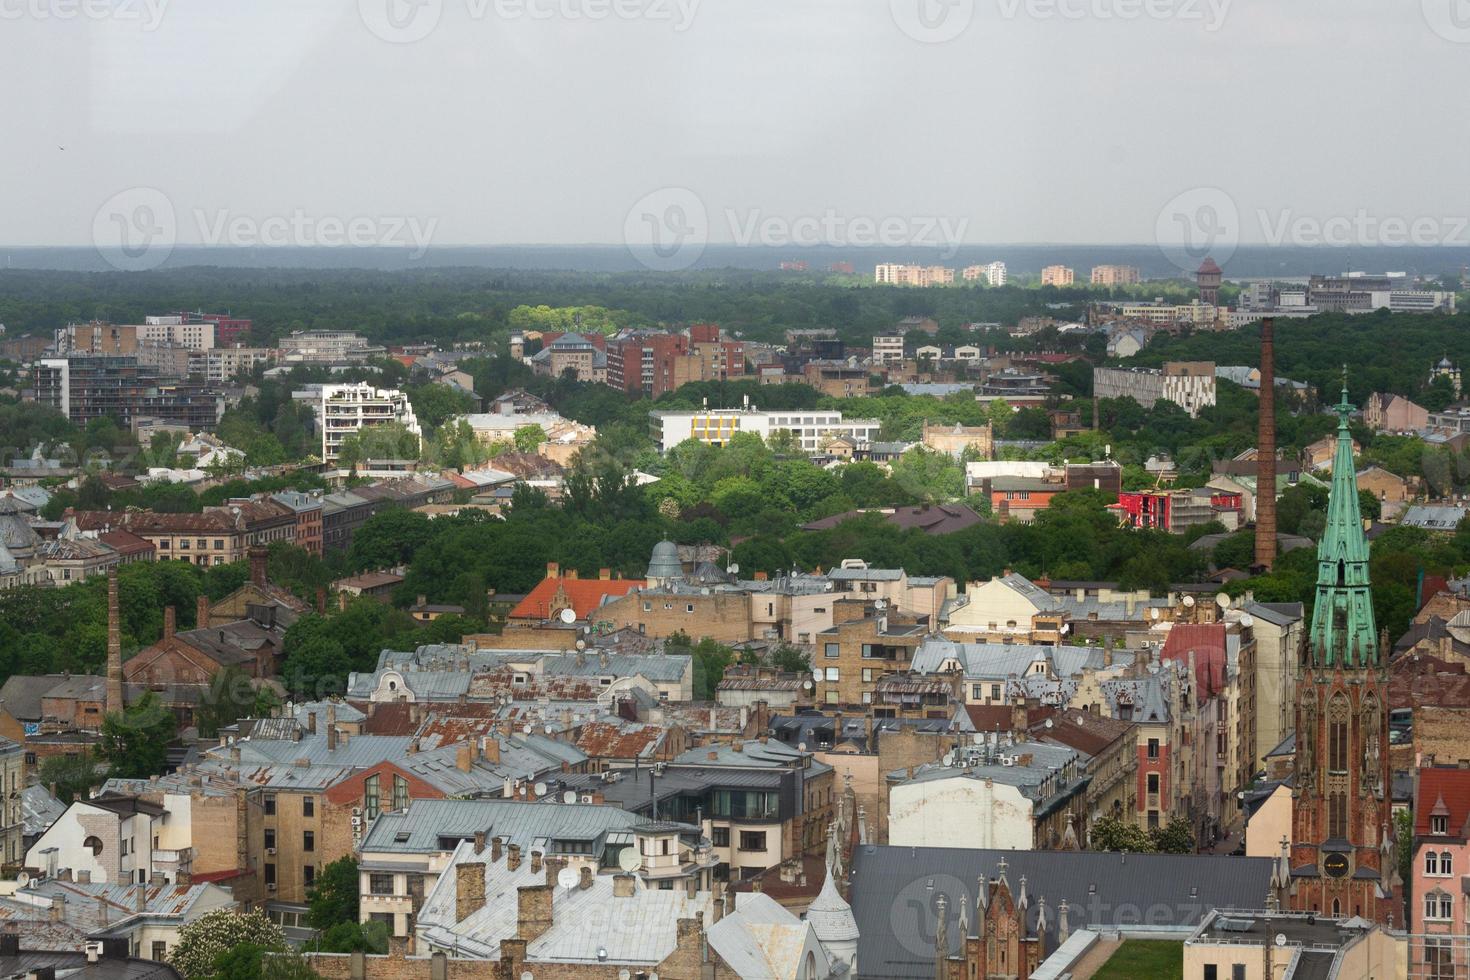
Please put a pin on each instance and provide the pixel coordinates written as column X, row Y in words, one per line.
column 1208, row 279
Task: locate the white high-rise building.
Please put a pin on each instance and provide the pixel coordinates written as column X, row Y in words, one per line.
column 344, row 409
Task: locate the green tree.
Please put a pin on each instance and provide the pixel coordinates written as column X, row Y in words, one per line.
column 791, row 659
column 71, row 775
column 334, row 895
column 315, row 666
column 214, row 934
column 135, row 741
column 1113, row 834
column 528, row 438
column 1175, row 837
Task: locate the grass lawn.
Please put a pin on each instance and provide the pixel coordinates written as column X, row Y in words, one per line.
column 1139, row 958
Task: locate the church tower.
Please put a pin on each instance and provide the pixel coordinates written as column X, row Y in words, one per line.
column 1342, row 855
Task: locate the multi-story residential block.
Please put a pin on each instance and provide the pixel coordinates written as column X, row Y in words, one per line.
column 308, row 509
column 325, row 347
column 221, row 364
column 1272, row 943
column 108, row 838
column 584, row 357
column 197, row 335
column 1188, row 384
column 87, row 387
column 1387, row 412
column 652, row 363
column 894, row 274
column 887, row 348
column 1438, row 907
column 343, row 410
column 857, row 653
column 1057, row 275
column 1114, row 275
column 993, row 273
column 811, row 428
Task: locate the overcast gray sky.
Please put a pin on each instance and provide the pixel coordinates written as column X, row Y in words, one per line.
column 546, row 121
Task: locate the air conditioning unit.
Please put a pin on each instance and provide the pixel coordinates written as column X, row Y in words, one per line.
column 270, row 851
column 357, row 811
column 271, row 887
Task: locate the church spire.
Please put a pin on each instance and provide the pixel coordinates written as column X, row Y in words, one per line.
column 1342, row 618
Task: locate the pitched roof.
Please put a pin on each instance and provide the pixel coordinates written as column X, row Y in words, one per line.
column 1443, row 791
column 584, row 594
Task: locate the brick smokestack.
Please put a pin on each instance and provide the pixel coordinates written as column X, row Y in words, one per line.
column 1266, row 453
column 114, row 647
column 259, row 556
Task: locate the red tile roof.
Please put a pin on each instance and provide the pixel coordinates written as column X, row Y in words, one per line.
column 1442, row 788
column 1207, row 642
column 584, row 594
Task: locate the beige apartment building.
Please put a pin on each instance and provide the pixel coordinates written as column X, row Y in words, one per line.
column 855, row 655
column 1115, row 275
column 1057, row 275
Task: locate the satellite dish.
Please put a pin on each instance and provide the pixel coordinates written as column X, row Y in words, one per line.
column 567, row 878
column 1048, row 723
column 569, row 616
column 1189, row 600
column 817, row 674
column 1066, row 628
column 807, row 685
column 1222, row 600
column 1281, row 939
column 801, row 746
column 629, row 860
column 22, row 879
column 581, row 644
column 526, row 729
column 949, row 758
column 1153, row 612
column 1247, row 621
column 569, row 797
column 880, row 604
column 540, row 789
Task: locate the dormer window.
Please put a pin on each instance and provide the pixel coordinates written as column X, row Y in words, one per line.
column 1439, row 825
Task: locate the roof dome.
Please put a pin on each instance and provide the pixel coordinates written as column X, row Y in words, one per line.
column 16, row 533
column 665, row 561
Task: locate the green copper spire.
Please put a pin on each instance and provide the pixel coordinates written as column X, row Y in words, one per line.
column 1342, row 619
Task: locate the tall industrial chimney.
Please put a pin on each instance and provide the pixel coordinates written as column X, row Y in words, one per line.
column 114, row 647
column 1266, row 453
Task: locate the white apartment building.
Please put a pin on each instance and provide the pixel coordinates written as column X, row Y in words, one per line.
column 994, row 273
column 173, row 330
column 224, row 363
column 895, row 274
column 887, row 348
column 813, row 428
column 342, row 409
column 1188, row 384
column 326, row 347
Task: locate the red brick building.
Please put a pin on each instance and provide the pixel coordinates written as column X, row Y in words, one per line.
column 650, row 363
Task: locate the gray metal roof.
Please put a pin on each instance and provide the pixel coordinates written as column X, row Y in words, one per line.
column 894, row 891
column 426, row 821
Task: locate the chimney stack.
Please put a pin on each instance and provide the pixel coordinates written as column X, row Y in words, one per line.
column 259, row 556
column 114, row 647
column 331, row 728
column 1266, row 452
column 201, row 611
column 168, row 622
column 469, row 889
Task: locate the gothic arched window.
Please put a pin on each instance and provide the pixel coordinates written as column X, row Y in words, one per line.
column 1337, row 734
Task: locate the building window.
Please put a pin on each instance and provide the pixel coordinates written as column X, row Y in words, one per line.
column 867, row 675
column 1212, row 972
column 720, row 836
column 831, row 697
column 832, row 650
column 832, row 673
column 1153, row 784
column 1438, row 905
column 1439, row 825
column 995, row 692
column 370, row 797
column 400, row 793
column 1337, row 815
column 270, row 804
column 270, row 875
column 308, row 840
column 1431, row 863
column 308, row 806
column 1337, row 735
column 752, row 840
column 1237, row 971
column 380, row 884
column 160, row 951
column 1446, row 863
column 270, row 838
column 1153, row 748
